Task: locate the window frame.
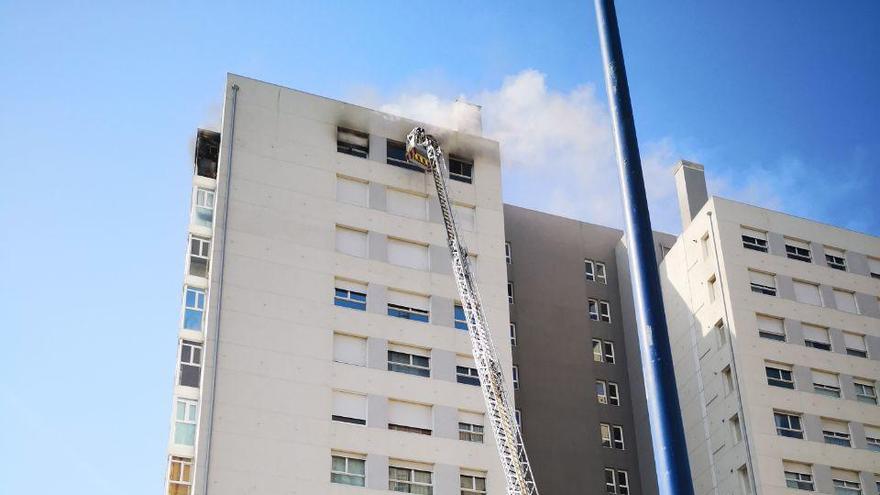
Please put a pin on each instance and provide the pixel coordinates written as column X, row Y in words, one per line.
column 593, row 308
column 604, row 311
column 835, row 262
column 472, row 489
column 343, row 298
column 459, row 323
column 195, row 350
column 848, row 487
column 399, row 162
column 467, row 432
column 463, row 175
column 347, row 472
column 204, row 201
column 410, row 367
column 203, row 257
column 589, row 270
column 471, row 377
column 349, row 148
column 409, row 483
column 754, row 243
column 798, row 253
column 513, row 341
column 199, row 307
column 189, row 419
column 184, row 470
column 510, row 294
column 788, row 430
column 514, row 369
column 832, row 437
column 407, row 313
column 601, row 273
column 862, row 387
column 799, row 479
column 508, row 253
column 779, row 381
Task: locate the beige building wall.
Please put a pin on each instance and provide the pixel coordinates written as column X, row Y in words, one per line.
column 721, row 359
column 267, row 391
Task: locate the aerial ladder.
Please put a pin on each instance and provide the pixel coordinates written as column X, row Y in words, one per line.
column 424, row 150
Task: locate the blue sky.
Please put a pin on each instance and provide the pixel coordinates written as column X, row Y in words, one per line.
column 778, row 99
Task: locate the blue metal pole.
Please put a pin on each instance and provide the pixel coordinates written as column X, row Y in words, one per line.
column 664, row 412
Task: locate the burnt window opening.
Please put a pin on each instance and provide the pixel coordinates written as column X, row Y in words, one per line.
column 352, row 142
column 396, row 155
column 207, row 153
column 461, row 170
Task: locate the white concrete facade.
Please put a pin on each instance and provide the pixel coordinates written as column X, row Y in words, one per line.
column 303, row 221
column 725, row 335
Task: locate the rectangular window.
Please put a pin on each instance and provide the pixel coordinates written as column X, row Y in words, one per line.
column 771, row 328
column 589, row 270
column 601, row 276
column 470, row 427
column 826, row 383
column 350, row 295
column 472, row 485
column 597, row 350
column 352, row 191
column 509, row 292
column 466, row 372
column 513, row 335
column 518, row 415
column 593, row 309
column 351, row 241
column 872, row 438
column 407, row 254
column 348, row 349
column 607, row 393
column 185, row 417
column 855, row 344
column 408, row 306
column 845, row 482
column 612, row 436
column 190, row 372
column 179, row 475
column 507, row 252
column 845, row 301
column 816, row 337
column 461, row 169
column 353, row 143
column 602, row 391
column 406, row 204
column 460, row 318
column 349, row 408
column 836, row 432
column 604, row 311
column 347, row 470
column 396, row 155
column 704, row 246
column 608, row 350
column 199, row 254
column 779, row 375
column 613, row 394
column 744, row 480
column 203, row 207
column 409, row 417
column 754, row 240
column 865, row 391
column 835, row 258
column 465, row 217
column 515, row 370
column 762, row 283
column 797, row 250
column 712, row 285
column 616, row 481
column 407, row 480
column 788, row 424
column 874, row 267
column 798, row 476
column 735, row 429
column 727, row 380
column 194, row 310
column 603, row 351
column 807, row 293
column 409, row 360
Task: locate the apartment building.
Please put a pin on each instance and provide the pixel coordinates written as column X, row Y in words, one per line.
column 775, row 329
column 321, row 349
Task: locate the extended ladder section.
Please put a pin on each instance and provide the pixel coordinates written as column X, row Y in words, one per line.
column 424, row 150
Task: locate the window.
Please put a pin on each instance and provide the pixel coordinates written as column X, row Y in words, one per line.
column 845, row 482
column 874, row 267
column 406, row 204
column 835, row 258
column 845, row 301
column 408, row 306
column 190, row 371
column 607, row 393
column 762, row 283
column 470, row 427
column 612, row 436
column 349, row 408
column 589, row 270
column 199, row 253
column 460, row 318
column 727, row 380
column 509, row 292
column 518, row 415
column 409, row 417
column 465, row 217
column 513, row 334
column 466, row 371
column 712, row 285
column 797, row 250
column 604, row 311
column 735, row 429
column 401, row 479
column 352, row 191
column 515, row 370
column 788, row 424
column 779, row 375
column 396, row 155
column 348, row 470
column 744, row 481
column 721, row 333
column 408, row 254
column 807, row 293
column 461, row 170
column 179, row 475
column 348, row 349
column 602, row 391
column 771, row 328
column 351, row 241
column 836, row 432
column 185, row 417
column 595, row 271
column 855, row 344
column 826, row 384
column 203, row 209
column 507, row 252
column 616, row 481
column 353, row 143
column 600, row 273
column 410, row 363
column 798, row 476
column 865, row 391
column 472, row 485
column 704, row 246
column 603, row 351
column 350, row 295
column 754, row 240
column 872, row 438
column 194, row 311
column 816, row 337
column 593, row 309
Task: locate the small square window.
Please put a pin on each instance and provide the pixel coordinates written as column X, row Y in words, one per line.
column 461, row 170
